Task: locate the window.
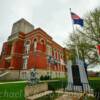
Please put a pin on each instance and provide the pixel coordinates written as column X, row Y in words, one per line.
column 3, row 51
column 49, row 50
column 35, row 44
column 55, row 53
column 25, row 60
column 42, row 41
column 27, row 47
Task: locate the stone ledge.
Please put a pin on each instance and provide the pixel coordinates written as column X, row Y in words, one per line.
column 35, row 89
column 38, row 95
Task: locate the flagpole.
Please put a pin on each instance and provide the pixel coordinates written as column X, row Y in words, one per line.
column 72, row 22
column 76, row 48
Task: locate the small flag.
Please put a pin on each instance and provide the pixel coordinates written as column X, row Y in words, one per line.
column 98, row 49
column 76, row 19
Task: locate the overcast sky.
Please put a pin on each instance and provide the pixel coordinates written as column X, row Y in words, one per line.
column 52, row 16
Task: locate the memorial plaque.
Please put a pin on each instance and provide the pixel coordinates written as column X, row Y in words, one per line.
column 77, row 78
column 76, row 75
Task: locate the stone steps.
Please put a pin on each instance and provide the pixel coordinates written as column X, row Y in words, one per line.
column 72, row 95
column 38, row 95
column 66, row 97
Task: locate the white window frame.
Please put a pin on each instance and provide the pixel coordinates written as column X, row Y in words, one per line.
column 25, row 62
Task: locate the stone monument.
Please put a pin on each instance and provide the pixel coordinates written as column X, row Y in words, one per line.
column 77, row 77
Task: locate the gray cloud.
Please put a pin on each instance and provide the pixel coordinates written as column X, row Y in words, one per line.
column 51, row 15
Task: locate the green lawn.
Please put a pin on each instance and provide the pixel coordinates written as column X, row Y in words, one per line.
column 95, row 83
column 94, row 78
column 15, row 91
column 12, row 91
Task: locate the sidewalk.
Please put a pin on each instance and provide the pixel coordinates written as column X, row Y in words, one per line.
column 66, row 97
column 69, row 95
column 13, row 82
column 38, row 95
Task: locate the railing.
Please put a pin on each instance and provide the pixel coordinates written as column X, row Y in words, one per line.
column 97, row 94
column 83, row 87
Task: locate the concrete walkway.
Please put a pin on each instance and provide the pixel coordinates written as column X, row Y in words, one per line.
column 69, row 95
column 72, row 95
column 66, row 97
column 38, row 95
column 25, row 81
column 13, row 82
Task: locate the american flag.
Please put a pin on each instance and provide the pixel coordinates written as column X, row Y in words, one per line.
column 76, row 19
column 74, row 16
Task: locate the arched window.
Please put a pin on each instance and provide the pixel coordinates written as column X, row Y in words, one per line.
column 42, row 42
column 25, row 61
column 43, row 45
column 35, row 44
column 55, row 53
column 27, row 47
column 49, row 50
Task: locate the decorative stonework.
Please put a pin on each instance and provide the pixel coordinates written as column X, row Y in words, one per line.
column 35, row 89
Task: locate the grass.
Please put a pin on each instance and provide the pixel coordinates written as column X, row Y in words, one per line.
column 94, row 78
column 95, row 82
column 12, row 91
column 15, row 91
column 54, row 85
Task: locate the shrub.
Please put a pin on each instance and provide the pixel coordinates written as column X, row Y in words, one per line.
column 41, row 78
column 57, row 85
column 46, row 77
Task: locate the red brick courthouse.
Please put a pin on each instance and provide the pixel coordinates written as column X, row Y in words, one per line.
column 28, row 48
